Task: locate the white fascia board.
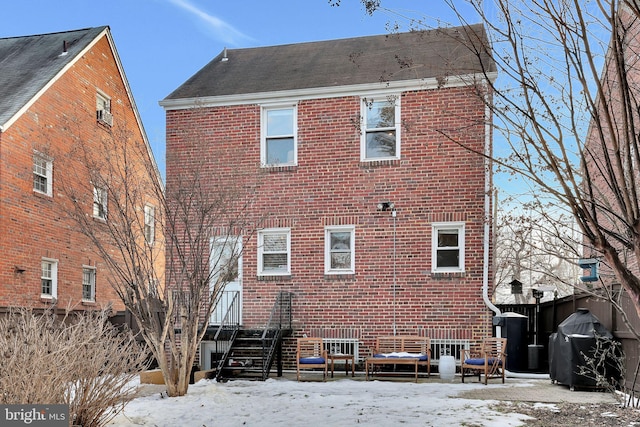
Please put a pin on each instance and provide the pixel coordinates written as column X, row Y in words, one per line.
column 380, row 88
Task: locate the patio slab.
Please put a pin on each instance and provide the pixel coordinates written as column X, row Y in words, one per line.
column 542, row 391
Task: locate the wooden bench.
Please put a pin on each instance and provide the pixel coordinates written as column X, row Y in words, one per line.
column 400, row 350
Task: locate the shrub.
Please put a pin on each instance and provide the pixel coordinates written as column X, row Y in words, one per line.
column 78, row 359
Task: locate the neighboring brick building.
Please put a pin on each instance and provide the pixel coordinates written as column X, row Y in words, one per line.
column 376, row 199
column 62, row 96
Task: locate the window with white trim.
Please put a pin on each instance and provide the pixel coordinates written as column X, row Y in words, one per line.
column 88, row 283
column 339, row 250
column 278, row 142
column 274, row 252
column 447, row 247
column 49, row 278
column 149, row 223
column 42, row 174
column 380, row 133
column 103, row 109
column 99, row 202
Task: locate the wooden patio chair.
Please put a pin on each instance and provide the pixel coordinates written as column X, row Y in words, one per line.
column 310, row 354
column 490, row 361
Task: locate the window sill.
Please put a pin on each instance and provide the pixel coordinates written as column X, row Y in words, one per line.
column 88, row 303
column 42, row 195
column 47, row 299
column 368, row 164
column 339, row 277
column 104, row 125
column 283, row 168
column 275, row 278
column 447, row 274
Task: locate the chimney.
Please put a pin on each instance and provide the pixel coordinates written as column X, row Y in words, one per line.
column 225, row 58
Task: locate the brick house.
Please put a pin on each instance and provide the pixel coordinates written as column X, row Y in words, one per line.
column 61, row 92
column 372, row 197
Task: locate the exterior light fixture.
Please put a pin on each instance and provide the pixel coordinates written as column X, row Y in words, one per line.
column 386, row 206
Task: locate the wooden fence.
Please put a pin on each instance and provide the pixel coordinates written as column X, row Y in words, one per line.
column 552, row 313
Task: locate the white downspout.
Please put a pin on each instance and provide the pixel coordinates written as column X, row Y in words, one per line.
column 487, row 230
column 487, row 218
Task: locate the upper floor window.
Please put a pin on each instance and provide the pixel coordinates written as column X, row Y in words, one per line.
column 49, row 279
column 274, row 252
column 278, row 143
column 447, row 247
column 149, row 223
column 380, row 135
column 339, row 251
column 42, row 174
column 99, row 202
column 103, row 109
column 88, row 283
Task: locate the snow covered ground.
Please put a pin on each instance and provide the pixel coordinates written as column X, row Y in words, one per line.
column 343, row 402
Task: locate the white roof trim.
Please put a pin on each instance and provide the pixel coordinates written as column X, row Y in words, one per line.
column 125, row 81
column 323, row 92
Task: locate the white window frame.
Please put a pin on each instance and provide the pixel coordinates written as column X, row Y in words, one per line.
column 328, row 250
column 52, row 275
column 273, row 231
column 103, row 102
column 103, row 109
column 365, row 108
column 149, row 223
column 89, row 272
column 438, row 227
column 47, row 173
column 265, row 137
column 100, row 199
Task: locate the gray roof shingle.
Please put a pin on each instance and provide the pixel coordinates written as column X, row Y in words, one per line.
column 371, row 59
column 28, row 63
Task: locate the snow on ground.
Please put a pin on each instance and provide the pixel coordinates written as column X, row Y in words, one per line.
column 281, row 402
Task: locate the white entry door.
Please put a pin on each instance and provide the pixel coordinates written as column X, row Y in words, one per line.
column 222, row 250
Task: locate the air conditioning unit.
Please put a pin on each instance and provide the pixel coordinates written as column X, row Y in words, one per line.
column 105, row 117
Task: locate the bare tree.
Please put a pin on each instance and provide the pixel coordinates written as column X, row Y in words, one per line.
column 157, row 243
column 566, row 105
column 537, row 250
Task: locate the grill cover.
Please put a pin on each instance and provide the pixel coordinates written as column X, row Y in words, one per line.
column 575, row 338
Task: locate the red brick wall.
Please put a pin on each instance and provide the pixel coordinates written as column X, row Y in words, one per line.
column 35, row 226
column 435, row 180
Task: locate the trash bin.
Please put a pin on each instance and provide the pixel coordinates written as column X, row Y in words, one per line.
column 514, row 329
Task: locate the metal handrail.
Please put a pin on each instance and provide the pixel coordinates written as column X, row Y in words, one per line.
column 231, row 319
column 280, row 313
column 230, row 322
column 279, row 319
